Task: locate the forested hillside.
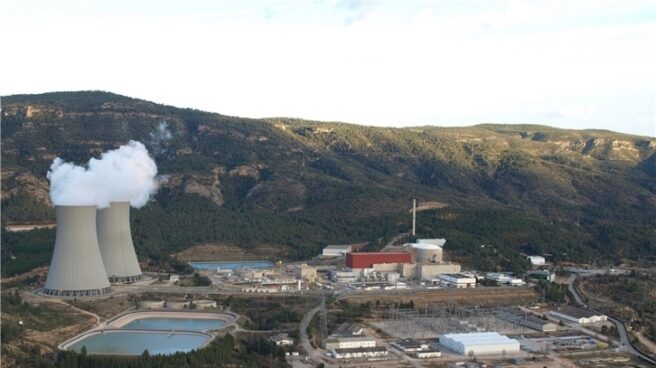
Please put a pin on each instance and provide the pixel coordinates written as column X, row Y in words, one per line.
column 576, row 195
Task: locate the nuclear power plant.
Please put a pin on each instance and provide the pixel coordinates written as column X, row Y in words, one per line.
column 77, row 267
column 115, row 240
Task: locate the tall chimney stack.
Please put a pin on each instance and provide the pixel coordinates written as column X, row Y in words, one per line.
column 414, row 217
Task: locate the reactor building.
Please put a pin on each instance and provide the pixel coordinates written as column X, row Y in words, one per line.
column 77, row 267
column 116, row 247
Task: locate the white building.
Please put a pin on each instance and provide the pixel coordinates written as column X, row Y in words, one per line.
column 349, row 342
column 536, row 260
column 336, row 250
column 578, row 315
column 479, row 343
column 358, row 352
column 429, row 353
column 282, row 340
column 504, row 279
column 457, row 280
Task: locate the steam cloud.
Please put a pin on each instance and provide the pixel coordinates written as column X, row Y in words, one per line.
column 125, row 174
column 160, row 137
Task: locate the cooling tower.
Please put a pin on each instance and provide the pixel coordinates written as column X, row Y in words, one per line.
column 77, row 267
column 116, row 247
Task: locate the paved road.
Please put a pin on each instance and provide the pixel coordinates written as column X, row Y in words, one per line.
column 305, row 340
column 621, row 329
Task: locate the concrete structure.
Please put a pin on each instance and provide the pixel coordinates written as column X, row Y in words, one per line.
column 348, row 342
column 409, row 345
column 536, row 260
column 151, row 304
column 305, row 272
column 178, row 304
column 359, row 352
column 480, row 343
column 336, row 250
column 427, row 253
column 282, row 339
column 204, row 304
column 457, row 280
column 504, row 279
column 430, row 271
column 368, row 259
column 77, row 267
column 250, row 273
column 345, row 276
column 578, row 315
column 115, row 240
column 428, row 353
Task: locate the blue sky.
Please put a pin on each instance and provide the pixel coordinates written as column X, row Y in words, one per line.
column 571, row 64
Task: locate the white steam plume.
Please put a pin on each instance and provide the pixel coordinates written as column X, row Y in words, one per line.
column 125, row 174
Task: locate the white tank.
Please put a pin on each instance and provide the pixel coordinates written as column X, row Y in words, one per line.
column 116, row 247
column 77, row 267
column 428, row 253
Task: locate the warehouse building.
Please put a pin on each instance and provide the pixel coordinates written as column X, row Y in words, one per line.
column 336, row 250
column 348, row 342
column 457, row 280
column 369, row 259
column 480, row 343
column 578, row 315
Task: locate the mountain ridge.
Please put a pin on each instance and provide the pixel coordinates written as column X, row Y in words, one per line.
column 339, row 182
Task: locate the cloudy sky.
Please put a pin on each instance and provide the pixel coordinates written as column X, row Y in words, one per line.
column 573, row 64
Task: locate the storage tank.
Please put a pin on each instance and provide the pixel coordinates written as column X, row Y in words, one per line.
column 116, row 247
column 428, row 253
column 151, row 304
column 204, row 304
column 77, row 267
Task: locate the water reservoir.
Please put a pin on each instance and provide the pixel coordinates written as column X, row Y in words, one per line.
column 178, row 324
column 123, row 342
column 231, row 265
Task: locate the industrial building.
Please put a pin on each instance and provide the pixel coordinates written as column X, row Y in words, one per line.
column 282, row 339
column 504, row 279
column 304, row 272
column 350, row 353
column 528, row 320
column 480, row 343
column 369, row 259
column 349, row 329
column 578, row 315
column 537, row 260
column 336, row 250
column 428, row 353
column 115, row 241
column 348, row 342
column 427, row 253
column 409, row 345
column 77, row 267
column 457, row 280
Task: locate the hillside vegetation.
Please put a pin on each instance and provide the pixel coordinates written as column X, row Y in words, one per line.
column 575, row 195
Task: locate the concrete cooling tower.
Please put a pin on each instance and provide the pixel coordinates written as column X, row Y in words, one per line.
column 116, row 247
column 77, row 267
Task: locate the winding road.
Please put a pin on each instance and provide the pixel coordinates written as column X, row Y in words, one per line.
column 621, row 329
